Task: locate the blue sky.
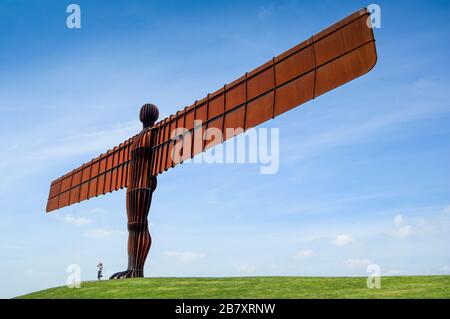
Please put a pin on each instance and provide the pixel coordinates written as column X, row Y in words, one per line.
column 364, row 170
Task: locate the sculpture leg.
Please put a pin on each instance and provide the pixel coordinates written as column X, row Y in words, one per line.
column 139, row 239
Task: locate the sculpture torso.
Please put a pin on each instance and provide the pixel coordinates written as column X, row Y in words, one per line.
column 140, row 168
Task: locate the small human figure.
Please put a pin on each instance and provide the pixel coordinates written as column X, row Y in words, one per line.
column 100, row 270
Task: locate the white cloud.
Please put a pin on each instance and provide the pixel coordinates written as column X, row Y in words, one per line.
column 264, row 12
column 401, row 229
column 445, row 268
column 357, row 263
column 342, row 240
column 302, row 254
column 100, row 233
column 245, row 269
column 368, row 125
column 15, row 247
column 81, row 221
column 403, row 232
column 185, row 255
column 47, row 150
column 398, row 220
column 97, row 210
column 86, row 142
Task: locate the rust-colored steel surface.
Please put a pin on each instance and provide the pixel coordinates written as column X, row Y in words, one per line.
column 325, row 61
column 139, row 196
column 328, row 59
column 104, row 174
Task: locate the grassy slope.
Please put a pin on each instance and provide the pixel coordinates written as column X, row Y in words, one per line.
column 256, row 287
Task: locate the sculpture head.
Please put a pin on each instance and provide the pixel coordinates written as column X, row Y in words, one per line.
column 148, row 115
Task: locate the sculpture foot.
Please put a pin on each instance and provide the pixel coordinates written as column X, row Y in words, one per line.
column 129, row 273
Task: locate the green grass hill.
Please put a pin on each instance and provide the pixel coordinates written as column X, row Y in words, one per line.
column 255, row 287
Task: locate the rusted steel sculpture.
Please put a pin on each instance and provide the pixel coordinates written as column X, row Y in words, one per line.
column 325, row 61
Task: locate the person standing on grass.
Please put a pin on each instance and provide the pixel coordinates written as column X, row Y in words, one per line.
column 100, row 270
